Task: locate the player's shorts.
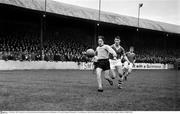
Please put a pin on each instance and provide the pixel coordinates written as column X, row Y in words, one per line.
column 103, row 64
column 128, row 66
column 115, row 63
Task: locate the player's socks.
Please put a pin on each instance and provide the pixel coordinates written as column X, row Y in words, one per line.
column 121, row 77
column 120, row 84
column 125, row 78
column 110, row 81
column 124, row 72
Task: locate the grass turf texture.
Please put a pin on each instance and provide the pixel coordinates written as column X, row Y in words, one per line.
column 74, row 90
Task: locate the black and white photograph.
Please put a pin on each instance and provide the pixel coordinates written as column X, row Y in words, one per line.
column 89, row 56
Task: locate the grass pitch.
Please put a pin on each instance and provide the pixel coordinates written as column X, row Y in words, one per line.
column 74, row 90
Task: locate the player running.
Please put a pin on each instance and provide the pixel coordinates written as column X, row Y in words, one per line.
column 129, row 64
column 116, row 65
column 102, row 64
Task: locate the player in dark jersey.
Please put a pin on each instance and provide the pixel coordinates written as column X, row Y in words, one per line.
column 129, row 64
column 116, row 65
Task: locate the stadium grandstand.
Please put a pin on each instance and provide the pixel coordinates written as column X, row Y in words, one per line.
column 69, row 30
column 43, row 66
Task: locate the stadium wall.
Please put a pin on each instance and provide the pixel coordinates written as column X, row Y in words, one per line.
column 33, row 65
column 89, row 66
column 28, row 65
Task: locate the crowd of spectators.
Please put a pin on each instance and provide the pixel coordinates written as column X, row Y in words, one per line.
column 157, row 55
column 27, row 48
column 64, row 50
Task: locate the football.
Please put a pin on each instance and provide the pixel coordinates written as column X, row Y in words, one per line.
column 90, row 53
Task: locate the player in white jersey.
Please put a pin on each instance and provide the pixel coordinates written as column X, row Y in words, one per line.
column 102, row 64
column 116, row 65
column 129, row 64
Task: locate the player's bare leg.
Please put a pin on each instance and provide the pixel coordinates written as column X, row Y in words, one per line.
column 107, row 77
column 99, row 80
column 127, row 70
column 120, row 73
column 125, row 74
column 113, row 73
column 112, row 69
